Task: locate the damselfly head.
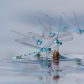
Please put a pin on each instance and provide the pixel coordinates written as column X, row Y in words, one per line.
column 39, row 42
column 49, row 49
column 43, row 49
column 56, row 41
column 83, row 31
column 79, row 31
column 60, row 43
column 52, row 34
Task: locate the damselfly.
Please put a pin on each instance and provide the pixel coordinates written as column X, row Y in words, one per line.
column 44, row 49
column 56, row 39
column 77, row 29
column 48, row 30
column 28, row 38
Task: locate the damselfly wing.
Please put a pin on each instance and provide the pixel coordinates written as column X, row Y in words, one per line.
column 57, row 40
column 30, row 39
column 48, row 30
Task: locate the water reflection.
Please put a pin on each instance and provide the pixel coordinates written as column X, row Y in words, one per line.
column 56, row 69
column 78, row 62
column 53, row 71
column 45, row 71
column 42, row 71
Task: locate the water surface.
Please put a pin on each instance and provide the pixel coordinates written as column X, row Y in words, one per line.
column 40, row 70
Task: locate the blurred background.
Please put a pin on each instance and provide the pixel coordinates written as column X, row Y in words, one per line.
column 23, row 16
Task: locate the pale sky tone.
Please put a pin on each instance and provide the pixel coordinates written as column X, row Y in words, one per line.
column 23, row 16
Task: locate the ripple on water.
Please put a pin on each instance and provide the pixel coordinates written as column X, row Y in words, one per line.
column 42, row 71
